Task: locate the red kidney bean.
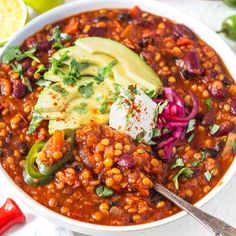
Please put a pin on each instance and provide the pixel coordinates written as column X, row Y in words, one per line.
column 26, row 64
column 190, row 64
column 217, row 89
column 97, row 31
column 183, row 31
column 225, row 128
column 30, row 72
column 19, row 89
column 100, row 18
column 126, row 161
column 208, row 119
column 124, row 17
column 44, row 46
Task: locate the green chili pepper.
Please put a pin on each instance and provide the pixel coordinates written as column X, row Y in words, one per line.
column 30, row 167
column 36, row 181
column 48, row 170
column 231, row 3
column 229, row 27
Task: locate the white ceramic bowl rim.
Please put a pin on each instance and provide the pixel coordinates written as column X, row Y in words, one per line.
column 153, row 7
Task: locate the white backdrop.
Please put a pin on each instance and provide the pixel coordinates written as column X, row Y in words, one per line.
column 223, row 206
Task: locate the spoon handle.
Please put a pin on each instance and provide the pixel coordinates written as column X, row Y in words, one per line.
column 218, row 227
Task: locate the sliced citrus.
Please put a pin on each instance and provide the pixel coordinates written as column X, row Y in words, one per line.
column 43, row 5
column 13, row 15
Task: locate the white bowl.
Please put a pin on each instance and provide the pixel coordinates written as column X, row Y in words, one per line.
column 154, row 7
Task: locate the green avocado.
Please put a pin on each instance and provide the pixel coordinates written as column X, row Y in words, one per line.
column 66, row 108
column 134, row 66
column 96, row 62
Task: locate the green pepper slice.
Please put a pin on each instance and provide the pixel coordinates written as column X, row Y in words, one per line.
column 36, row 181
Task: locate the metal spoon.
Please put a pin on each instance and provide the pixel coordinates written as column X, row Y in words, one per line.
column 216, row 226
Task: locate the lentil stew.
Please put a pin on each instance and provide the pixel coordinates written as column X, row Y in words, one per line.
column 97, row 173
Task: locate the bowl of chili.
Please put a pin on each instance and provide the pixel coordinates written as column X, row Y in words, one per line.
column 147, row 30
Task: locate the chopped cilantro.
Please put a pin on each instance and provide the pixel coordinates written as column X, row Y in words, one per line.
column 116, row 88
column 41, row 68
column 104, row 191
column 208, row 175
column 43, row 83
column 190, row 138
column 178, row 163
column 16, row 53
column 209, row 104
column 36, row 120
column 18, row 69
column 103, row 108
column 156, row 133
column 233, row 146
column 82, row 108
column 196, row 163
column 86, row 90
column 58, row 62
column 57, row 37
column 191, row 126
column 57, row 88
column 140, row 136
column 214, row 129
column 161, row 106
column 105, row 72
column 187, row 172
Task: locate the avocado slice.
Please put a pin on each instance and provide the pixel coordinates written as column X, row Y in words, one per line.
column 67, row 110
column 96, row 61
column 134, row 66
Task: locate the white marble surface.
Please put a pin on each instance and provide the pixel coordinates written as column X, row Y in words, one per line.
column 223, row 206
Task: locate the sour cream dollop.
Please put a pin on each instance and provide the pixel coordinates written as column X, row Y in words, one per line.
column 134, row 113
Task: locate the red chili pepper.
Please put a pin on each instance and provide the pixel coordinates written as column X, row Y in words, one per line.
column 10, row 214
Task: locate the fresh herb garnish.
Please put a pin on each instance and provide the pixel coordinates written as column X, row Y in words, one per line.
column 36, row 120
column 16, row 53
column 214, row 129
column 151, row 93
column 57, row 88
column 196, row 163
column 156, row 133
column 161, row 106
column 190, row 138
column 208, row 175
column 178, row 163
column 103, row 108
column 74, row 72
column 209, row 104
column 57, row 37
column 18, row 69
column 82, row 108
column 233, row 146
column 86, row 90
column 187, row 172
column 104, row 191
column 140, row 136
column 105, row 72
column 43, row 83
column 58, row 62
column 41, row 68
column 191, row 126
column 117, row 88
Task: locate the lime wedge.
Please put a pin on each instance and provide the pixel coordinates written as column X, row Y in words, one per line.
column 13, row 15
column 43, row 5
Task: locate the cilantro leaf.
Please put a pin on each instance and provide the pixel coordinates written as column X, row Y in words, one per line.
column 140, row 136
column 156, row 133
column 57, row 88
column 104, row 191
column 161, row 106
column 151, row 93
column 103, row 108
column 190, row 138
column 178, row 163
column 208, row 175
column 43, row 83
column 105, row 72
column 214, row 129
column 209, row 104
column 57, row 37
column 196, row 163
column 187, row 172
column 41, row 68
column 86, row 90
column 191, row 126
column 10, row 54
column 82, row 108
column 18, row 69
column 36, row 120
column 58, row 62
column 233, row 146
